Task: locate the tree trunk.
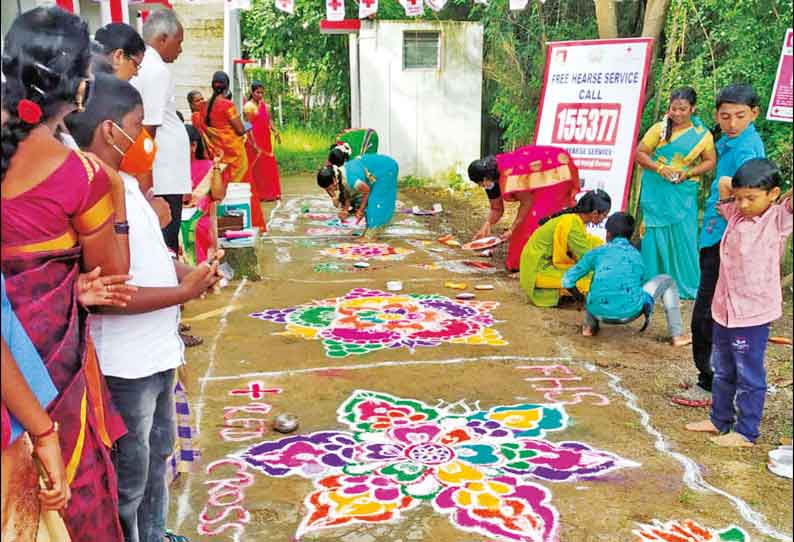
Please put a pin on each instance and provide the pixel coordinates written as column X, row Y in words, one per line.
column 655, row 17
column 607, row 17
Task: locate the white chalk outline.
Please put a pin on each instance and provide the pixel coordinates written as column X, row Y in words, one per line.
column 183, row 503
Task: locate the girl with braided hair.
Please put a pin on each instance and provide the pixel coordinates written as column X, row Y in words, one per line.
column 558, row 243
column 62, row 211
column 224, row 133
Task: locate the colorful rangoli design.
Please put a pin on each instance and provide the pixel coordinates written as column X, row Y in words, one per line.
column 366, row 251
column 366, row 320
column 687, row 531
column 480, row 468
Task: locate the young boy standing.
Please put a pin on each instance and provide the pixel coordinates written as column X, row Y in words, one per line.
column 746, row 300
column 617, row 292
column 138, row 346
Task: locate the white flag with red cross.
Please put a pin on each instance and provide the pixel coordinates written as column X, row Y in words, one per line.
column 413, row 8
column 436, row 5
column 367, row 8
column 335, row 10
column 287, row 6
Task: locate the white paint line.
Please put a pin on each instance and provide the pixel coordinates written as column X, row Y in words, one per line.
column 273, row 212
column 183, row 503
column 380, row 364
column 693, row 476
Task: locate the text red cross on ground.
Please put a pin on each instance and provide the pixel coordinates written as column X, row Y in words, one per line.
column 335, row 5
column 255, row 390
column 368, row 3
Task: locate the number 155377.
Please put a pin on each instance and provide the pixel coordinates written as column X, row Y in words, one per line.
column 586, row 123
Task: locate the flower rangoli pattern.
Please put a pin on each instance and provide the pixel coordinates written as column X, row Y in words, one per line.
column 482, row 469
column 366, row 251
column 366, row 320
column 687, row 531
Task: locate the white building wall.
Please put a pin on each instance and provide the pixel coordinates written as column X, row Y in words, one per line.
column 428, row 120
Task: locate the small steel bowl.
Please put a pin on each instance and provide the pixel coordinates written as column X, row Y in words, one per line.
column 285, row 423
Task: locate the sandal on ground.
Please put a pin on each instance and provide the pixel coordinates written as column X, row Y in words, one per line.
column 695, row 397
column 171, row 537
column 183, row 328
column 702, row 427
column 191, row 340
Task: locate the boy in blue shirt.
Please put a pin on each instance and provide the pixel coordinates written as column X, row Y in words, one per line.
column 618, row 292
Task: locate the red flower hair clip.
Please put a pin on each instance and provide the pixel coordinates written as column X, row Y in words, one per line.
column 29, row 111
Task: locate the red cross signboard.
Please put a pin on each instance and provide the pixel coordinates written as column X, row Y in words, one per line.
column 335, row 10
column 413, row 8
column 367, row 8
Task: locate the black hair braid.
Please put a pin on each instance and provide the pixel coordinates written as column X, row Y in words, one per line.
column 220, row 84
column 595, row 200
column 46, row 57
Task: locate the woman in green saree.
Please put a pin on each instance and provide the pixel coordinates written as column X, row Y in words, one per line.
column 674, row 154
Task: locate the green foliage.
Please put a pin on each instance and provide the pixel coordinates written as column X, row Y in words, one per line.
column 409, row 182
column 320, row 62
column 302, row 150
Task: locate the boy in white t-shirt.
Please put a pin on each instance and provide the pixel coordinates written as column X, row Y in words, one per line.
column 139, row 346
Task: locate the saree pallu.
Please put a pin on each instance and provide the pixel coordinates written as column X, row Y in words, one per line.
column 670, row 211
column 379, row 172
column 552, row 250
column 361, row 140
column 549, row 175
column 41, row 288
column 263, row 166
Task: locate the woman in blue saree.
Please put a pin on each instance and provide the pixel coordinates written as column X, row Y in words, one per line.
column 674, row 154
column 365, row 186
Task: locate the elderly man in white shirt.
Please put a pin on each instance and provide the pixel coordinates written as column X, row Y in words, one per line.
column 163, row 35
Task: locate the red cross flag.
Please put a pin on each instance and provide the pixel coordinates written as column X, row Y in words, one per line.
column 367, row 8
column 518, row 5
column 287, row 6
column 335, row 10
column 413, row 8
column 436, row 5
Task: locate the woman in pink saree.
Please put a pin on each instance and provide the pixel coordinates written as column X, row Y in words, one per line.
column 209, row 187
column 542, row 179
column 263, row 165
column 62, row 210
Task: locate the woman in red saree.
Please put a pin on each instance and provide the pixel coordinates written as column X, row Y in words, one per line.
column 59, row 208
column 542, row 179
column 225, row 136
column 263, row 165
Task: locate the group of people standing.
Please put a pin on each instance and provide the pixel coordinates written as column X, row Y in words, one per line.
column 96, row 166
column 732, row 269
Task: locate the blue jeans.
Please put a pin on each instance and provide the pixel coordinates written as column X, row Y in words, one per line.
column 661, row 287
column 140, row 456
column 737, row 356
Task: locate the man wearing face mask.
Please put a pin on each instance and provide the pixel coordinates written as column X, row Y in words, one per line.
column 170, row 175
column 138, row 346
column 541, row 179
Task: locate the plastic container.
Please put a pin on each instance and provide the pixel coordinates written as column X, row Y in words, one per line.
column 394, row 285
column 238, row 198
column 781, row 461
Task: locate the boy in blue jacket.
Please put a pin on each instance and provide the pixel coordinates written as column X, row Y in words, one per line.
column 618, row 293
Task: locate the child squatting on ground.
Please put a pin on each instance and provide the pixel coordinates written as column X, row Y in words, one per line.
column 617, row 293
column 747, row 299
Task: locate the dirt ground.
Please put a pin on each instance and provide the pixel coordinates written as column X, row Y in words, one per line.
column 378, row 455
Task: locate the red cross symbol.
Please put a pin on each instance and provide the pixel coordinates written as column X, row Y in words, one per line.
column 412, row 2
column 255, row 390
column 284, row 3
column 368, row 3
column 334, row 4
